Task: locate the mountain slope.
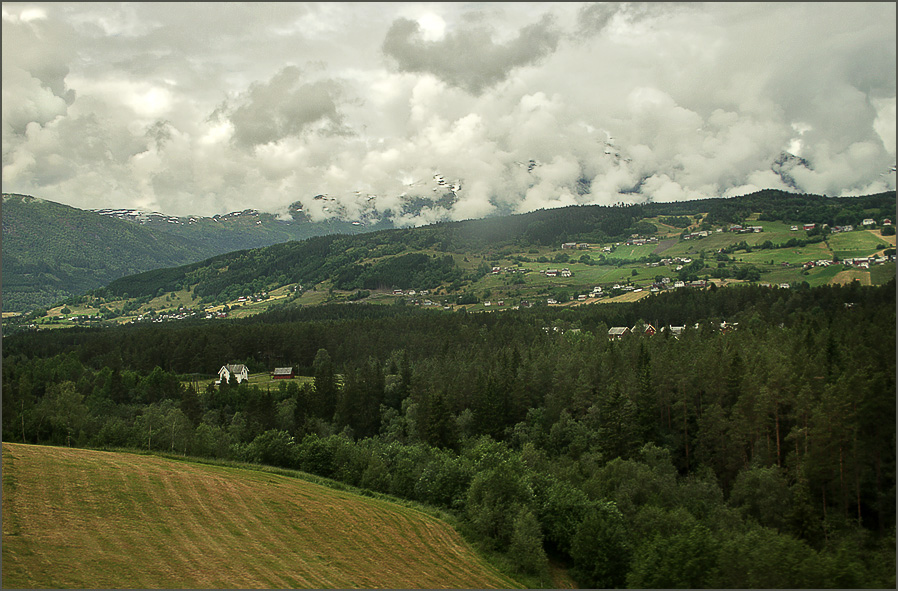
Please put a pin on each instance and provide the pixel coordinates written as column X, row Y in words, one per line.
column 89, row 519
column 52, row 251
column 430, row 256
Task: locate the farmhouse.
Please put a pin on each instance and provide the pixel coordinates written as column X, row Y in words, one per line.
column 240, row 373
column 617, row 332
column 869, row 222
column 647, row 329
column 676, row 331
column 283, row 373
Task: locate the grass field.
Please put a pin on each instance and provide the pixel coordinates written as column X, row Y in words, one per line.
column 848, row 245
column 92, row 519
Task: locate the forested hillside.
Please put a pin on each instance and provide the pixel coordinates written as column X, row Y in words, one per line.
column 52, row 251
column 754, row 449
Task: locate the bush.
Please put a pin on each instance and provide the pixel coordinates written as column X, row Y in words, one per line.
column 274, row 448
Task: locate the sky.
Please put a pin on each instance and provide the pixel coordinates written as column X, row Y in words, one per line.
column 206, row 108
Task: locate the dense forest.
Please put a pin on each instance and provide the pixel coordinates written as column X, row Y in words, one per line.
column 755, row 449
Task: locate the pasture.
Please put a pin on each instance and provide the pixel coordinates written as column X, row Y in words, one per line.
column 95, row 519
column 848, row 245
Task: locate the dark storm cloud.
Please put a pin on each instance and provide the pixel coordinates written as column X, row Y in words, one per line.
column 469, row 58
column 285, row 106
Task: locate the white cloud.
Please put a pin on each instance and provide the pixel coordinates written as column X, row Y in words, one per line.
column 207, row 108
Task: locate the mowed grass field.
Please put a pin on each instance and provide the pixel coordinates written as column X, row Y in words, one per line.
column 94, row 519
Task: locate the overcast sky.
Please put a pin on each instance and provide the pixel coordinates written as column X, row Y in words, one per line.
column 214, row 107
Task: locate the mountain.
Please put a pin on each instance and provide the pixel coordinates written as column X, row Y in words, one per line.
column 455, row 256
column 52, row 251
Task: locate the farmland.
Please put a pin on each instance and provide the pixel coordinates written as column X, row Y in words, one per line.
column 90, row 519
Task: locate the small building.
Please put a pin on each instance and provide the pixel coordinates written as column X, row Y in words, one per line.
column 239, row 372
column 808, row 226
column 869, row 222
column 283, row 373
column 647, row 329
column 676, row 331
column 568, row 245
column 618, row 332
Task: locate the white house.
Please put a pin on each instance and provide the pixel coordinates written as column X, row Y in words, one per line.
column 240, row 373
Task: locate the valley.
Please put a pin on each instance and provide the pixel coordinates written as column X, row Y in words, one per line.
column 513, row 276
column 584, row 394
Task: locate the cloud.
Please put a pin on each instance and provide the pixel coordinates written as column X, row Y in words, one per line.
column 284, row 106
column 208, row 108
column 468, row 58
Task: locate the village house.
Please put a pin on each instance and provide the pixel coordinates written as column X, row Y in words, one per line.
column 239, row 372
column 647, row 329
column 617, row 332
column 869, row 222
column 283, row 373
column 676, row 331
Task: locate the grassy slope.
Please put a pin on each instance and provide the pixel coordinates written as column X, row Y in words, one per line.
column 80, row 518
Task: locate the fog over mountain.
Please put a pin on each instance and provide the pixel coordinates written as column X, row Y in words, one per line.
column 473, row 108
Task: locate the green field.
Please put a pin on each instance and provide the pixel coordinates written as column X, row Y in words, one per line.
column 92, row 519
column 848, row 245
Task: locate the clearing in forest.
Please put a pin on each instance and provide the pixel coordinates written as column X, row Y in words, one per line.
column 94, row 519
